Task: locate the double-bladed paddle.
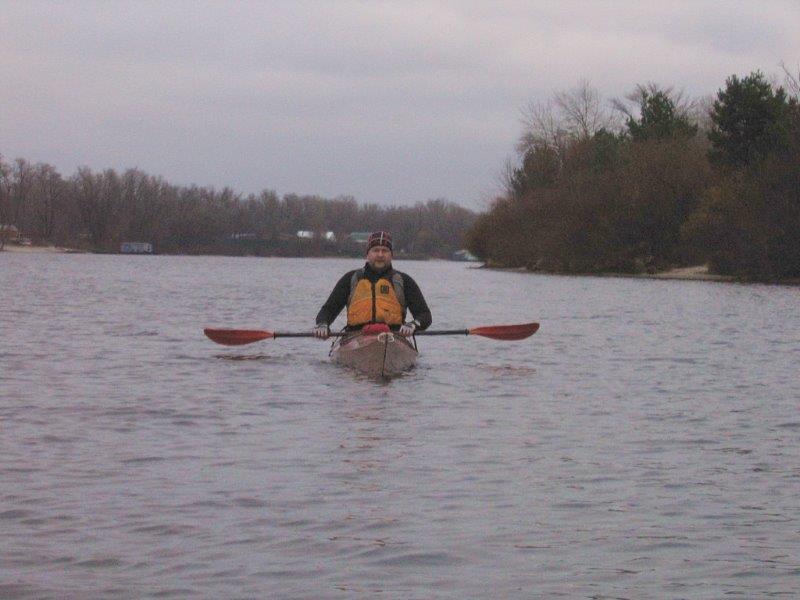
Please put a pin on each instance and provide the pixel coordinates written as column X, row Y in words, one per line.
column 239, row 337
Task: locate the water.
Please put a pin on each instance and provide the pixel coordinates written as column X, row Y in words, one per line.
column 644, row 444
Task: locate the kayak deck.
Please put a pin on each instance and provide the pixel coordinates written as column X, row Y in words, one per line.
column 384, row 354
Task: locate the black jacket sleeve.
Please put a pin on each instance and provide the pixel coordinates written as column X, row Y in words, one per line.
column 336, row 301
column 415, row 302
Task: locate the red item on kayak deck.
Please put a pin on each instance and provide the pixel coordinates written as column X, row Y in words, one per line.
column 374, row 328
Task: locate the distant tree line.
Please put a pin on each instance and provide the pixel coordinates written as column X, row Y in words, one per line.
column 97, row 211
column 653, row 181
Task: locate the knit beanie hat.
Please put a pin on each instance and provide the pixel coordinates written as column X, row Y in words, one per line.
column 380, row 238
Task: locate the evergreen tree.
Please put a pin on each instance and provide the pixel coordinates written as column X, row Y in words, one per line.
column 748, row 119
column 659, row 119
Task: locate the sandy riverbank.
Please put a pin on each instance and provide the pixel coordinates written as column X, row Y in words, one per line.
column 32, row 249
column 696, row 273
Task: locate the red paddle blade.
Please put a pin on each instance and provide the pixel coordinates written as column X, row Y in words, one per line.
column 506, row 332
column 237, row 337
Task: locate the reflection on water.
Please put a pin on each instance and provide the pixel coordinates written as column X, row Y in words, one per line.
column 510, row 370
column 644, row 443
column 245, row 357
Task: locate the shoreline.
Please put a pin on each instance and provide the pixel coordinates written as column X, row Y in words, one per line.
column 694, row 273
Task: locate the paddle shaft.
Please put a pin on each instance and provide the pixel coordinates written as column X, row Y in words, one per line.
column 239, row 337
column 279, row 334
column 294, row 334
column 444, row 332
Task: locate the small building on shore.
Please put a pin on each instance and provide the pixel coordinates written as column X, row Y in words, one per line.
column 9, row 232
column 465, row 256
column 326, row 236
column 136, row 248
column 359, row 237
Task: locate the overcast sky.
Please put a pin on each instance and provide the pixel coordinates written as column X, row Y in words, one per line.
column 389, row 102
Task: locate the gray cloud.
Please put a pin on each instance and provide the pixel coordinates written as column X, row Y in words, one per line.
column 392, row 102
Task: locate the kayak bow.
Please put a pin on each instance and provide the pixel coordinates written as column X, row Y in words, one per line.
column 375, row 353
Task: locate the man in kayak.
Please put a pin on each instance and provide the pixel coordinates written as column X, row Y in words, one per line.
column 375, row 293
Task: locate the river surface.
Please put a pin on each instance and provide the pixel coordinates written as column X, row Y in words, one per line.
column 645, row 443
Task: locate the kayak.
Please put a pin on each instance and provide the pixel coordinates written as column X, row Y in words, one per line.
column 375, row 351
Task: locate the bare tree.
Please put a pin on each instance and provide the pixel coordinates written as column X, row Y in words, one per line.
column 568, row 116
column 5, row 201
column 505, row 179
column 46, row 201
column 791, row 82
column 143, row 205
column 22, row 180
column 700, row 113
column 583, row 111
column 542, row 128
column 98, row 200
column 685, row 107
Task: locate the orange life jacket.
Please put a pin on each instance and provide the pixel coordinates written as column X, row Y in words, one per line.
column 381, row 302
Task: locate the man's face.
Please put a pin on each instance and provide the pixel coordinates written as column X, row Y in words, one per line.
column 379, row 257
